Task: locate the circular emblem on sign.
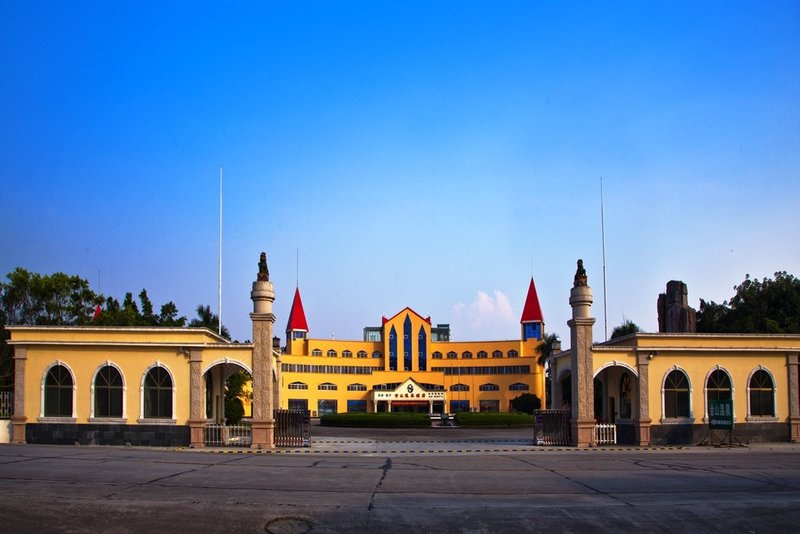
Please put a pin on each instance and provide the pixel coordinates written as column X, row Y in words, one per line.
column 410, row 388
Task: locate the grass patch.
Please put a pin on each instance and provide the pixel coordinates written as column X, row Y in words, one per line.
column 377, row 420
column 494, row 419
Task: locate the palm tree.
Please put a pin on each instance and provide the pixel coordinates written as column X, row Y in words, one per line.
column 545, row 349
column 209, row 320
column 627, row 327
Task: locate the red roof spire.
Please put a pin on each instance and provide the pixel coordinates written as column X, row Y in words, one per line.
column 297, row 317
column 532, row 310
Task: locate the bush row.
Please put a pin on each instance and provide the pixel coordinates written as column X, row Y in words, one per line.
column 377, row 420
column 494, row 419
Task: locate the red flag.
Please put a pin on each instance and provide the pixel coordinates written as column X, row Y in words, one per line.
column 97, row 311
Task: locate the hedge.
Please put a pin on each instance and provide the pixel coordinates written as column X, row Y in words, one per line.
column 377, row 420
column 494, row 419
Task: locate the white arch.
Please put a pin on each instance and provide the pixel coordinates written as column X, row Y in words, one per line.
column 705, row 390
column 226, row 360
column 108, row 363
column 774, row 417
column 141, row 392
column 663, row 384
column 47, row 369
column 616, row 364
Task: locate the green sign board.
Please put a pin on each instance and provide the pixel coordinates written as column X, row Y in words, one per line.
column 720, row 414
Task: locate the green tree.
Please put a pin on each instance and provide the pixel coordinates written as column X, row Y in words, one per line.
column 626, row 328
column 768, row 306
column 526, row 403
column 234, row 391
column 207, row 319
column 546, row 348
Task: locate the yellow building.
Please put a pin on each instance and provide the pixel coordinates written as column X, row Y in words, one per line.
column 408, row 364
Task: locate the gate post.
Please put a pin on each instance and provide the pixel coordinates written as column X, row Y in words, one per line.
column 262, row 295
column 197, row 422
column 582, row 362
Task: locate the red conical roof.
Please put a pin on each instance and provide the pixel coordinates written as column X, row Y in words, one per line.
column 532, row 310
column 297, row 317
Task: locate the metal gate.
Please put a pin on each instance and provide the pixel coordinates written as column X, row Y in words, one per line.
column 292, row 428
column 552, row 427
column 227, row 435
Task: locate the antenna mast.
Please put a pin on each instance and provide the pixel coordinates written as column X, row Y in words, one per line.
column 603, row 232
column 219, row 296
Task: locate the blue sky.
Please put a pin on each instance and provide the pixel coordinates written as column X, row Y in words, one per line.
column 429, row 154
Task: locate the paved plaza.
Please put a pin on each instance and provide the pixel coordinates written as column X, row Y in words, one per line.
column 454, row 480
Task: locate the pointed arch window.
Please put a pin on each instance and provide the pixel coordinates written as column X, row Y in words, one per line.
column 157, row 393
column 58, row 392
column 466, row 355
column 482, row 354
column 108, row 389
column 422, row 360
column 519, row 386
column 459, row 387
column 497, row 354
column 361, row 354
column 489, row 387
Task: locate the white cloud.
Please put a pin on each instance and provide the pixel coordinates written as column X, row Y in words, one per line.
column 485, row 318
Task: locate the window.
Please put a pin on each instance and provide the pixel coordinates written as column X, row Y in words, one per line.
column 762, row 394
column 459, row 406
column 497, row 354
column 513, row 354
column 377, row 354
column 718, row 386
column 357, row 406
column 362, row 354
column 316, row 352
column 298, row 385
column 482, row 354
column 347, row 354
column 467, row 355
column 58, row 392
column 327, row 386
column 326, row 406
column 452, row 355
column 518, row 386
column 459, row 387
column 489, row 387
column 436, row 355
column 158, row 394
column 108, row 392
column 676, row 395
column 331, row 353
column 298, row 404
column 356, row 387
column 489, row 405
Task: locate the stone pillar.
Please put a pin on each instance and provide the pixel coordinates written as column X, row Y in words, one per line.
column 643, row 421
column 582, row 367
column 794, row 396
column 263, row 295
column 18, row 419
column 197, row 420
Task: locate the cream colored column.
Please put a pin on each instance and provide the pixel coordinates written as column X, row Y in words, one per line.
column 643, row 421
column 18, row 419
column 197, row 421
column 794, row 396
column 582, row 380
column 263, row 295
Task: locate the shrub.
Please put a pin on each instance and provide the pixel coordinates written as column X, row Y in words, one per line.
column 494, row 419
column 377, row 420
column 526, row 403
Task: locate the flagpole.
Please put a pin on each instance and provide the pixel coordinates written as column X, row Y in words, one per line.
column 603, row 232
column 219, row 285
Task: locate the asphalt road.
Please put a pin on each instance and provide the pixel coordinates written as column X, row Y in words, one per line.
column 500, row 485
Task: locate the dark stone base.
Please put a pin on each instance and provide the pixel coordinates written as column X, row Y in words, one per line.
column 694, row 434
column 107, row 434
column 626, row 434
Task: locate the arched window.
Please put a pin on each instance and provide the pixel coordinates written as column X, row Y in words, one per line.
column 346, row 354
column 298, row 385
column 762, row 394
column 362, row 354
column 327, row 386
column 452, row 355
column 466, row 355
column 157, row 394
column 377, row 354
column 58, row 389
column 108, row 392
column 331, row 353
column 676, row 395
column 356, row 387
column 436, row 355
column 316, row 352
column 489, row 387
column 482, row 354
column 519, row 386
column 459, row 387
column 497, row 354
column 513, row 354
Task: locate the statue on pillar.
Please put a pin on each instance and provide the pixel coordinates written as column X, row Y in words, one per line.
column 580, row 275
column 263, row 270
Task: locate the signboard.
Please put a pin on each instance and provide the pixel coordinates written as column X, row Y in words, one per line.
column 720, row 414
